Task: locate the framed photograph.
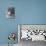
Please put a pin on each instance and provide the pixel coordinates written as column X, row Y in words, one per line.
column 31, row 32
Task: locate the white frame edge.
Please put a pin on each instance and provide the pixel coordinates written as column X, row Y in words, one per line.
column 18, row 33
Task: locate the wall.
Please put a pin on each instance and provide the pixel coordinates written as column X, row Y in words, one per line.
column 31, row 11
column 6, row 25
column 27, row 12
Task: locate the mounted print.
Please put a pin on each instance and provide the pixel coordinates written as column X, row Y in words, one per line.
column 32, row 32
